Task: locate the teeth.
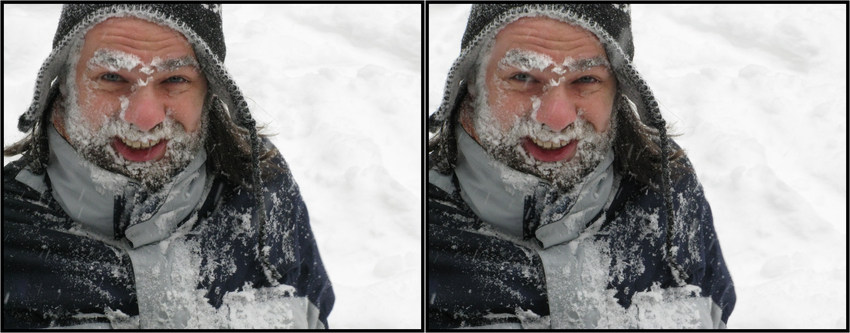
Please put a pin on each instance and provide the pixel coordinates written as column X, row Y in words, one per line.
column 139, row 144
column 549, row 144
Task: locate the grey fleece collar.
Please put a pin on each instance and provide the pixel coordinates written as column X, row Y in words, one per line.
column 593, row 195
column 91, row 196
column 484, row 188
column 509, row 200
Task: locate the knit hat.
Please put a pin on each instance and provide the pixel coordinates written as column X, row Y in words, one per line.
column 201, row 24
column 205, row 20
column 611, row 24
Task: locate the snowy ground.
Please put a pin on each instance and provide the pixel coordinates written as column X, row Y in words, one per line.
column 758, row 93
column 340, row 86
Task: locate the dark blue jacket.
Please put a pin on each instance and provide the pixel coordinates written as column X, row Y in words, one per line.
column 50, row 274
column 476, row 276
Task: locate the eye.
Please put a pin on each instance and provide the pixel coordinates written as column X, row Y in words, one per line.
column 176, row 79
column 522, row 77
column 587, row 79
column 111, row 77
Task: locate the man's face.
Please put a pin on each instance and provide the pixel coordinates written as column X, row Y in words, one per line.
column 543, row 100
column 135, row 105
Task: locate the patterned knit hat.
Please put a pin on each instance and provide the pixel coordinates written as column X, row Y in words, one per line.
column 204, row 20
column 201, row 24
column 611, row 24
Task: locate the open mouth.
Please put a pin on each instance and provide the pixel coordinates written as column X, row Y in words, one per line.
column 549, row 144
column 550, row 151
column 140, row 151
column 139, row 144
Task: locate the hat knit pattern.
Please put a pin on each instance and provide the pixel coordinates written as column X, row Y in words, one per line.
column 611, row 23
column 201, row 24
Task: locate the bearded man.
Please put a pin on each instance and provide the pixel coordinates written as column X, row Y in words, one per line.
column 145, row 197
column 555, row 197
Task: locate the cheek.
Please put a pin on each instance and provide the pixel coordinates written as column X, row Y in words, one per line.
column 505, row 106
column 187, row 111
column 598, row 109
column 599, row 114
column 96, row 108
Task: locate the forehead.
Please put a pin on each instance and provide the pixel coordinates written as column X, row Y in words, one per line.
column 547, row 36
column 138, row 37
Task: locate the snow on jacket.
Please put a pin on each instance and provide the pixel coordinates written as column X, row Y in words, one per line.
column 649, row 258
column 613, row 275
column 243, row 256
column 207, row 274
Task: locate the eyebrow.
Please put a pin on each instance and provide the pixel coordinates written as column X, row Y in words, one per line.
column 526, row 60
column 585, row 64
column 115, row 60
column 173, row 64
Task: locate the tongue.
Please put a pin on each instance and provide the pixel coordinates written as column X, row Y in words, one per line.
column 153, row 153
column 550, row 155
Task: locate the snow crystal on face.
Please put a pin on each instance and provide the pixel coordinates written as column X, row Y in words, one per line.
column 504, row 141
column 114, row 60
column 535, row 106
column 580, row 65
column 525, row 60
column 170, row 65
column 125, row 102
column 506, row 146
column 95, row 144
column 91, row 132
column 141, row 83
column 147, row 70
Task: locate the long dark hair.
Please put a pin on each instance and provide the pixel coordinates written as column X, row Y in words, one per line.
column 229, row 147
column 638, row 150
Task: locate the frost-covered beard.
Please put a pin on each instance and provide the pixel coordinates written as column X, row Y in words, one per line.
column 95, row 145
column 506, row 146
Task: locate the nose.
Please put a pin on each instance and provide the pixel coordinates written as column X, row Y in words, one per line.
column 145, row 109
column 557, row 109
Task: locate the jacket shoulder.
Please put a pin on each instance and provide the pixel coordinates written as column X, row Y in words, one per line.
column 51, row 275
column 25, row 204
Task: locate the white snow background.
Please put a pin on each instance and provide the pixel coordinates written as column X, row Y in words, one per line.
column 340, row 86
column 758, row 93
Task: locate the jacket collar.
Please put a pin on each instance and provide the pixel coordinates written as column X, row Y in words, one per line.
column 525, row 206
column 112, row 205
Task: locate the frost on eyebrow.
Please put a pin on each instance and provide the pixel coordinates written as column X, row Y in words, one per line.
column 525, row 60
column 113, row 60
column 169, row 65
column 582, row 65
